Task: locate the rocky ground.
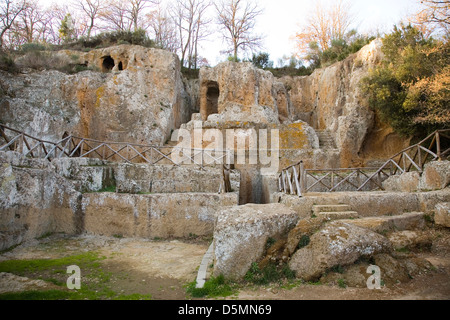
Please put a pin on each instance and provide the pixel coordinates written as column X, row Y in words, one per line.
column 163, row 268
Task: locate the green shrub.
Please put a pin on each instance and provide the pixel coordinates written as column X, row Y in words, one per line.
column 214, row 287
column 409, row 89
column 269, row 274
column 342, row 283
column 7, row 63
column 31, row 47
column 270, row 242
column 107, row 39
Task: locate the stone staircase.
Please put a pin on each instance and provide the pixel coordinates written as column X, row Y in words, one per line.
column 334, row 211
column 326, row 140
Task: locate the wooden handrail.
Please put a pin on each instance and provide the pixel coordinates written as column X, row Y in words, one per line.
column 401, row 161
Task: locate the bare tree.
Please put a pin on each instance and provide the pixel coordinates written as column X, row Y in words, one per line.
column 9, row 12
column 437, row 11
column 126, row 15
column 136, row 9
column 56, row 14
column 115, row 15
column 237, row 19
column 324, row 25
column 433, row 18
column 189, row 19
column 201, row 30
column 340, row 19
column 163, row 29
column 91, row 9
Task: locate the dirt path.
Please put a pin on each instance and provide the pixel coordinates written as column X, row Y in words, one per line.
column 141, row 266
column 163, row 268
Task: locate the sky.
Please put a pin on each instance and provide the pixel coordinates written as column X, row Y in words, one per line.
column 282, row 18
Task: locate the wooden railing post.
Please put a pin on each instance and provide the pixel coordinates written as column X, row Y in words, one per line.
column 438, row 145
column 302, row 179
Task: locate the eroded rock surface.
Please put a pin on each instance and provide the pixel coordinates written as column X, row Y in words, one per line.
column 140, row 102
column 337, row 244
column 241, row 235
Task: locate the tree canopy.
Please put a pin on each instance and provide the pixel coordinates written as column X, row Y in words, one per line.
column 410, row 90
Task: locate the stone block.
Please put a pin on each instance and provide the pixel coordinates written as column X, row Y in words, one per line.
column 242, row 232
column 442, row 214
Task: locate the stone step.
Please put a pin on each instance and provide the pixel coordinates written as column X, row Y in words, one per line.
column 317, row 209
column 406, row 221
column 341, row 215
column 326, row 139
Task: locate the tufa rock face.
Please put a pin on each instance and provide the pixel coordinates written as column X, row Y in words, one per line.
column 436, row 176
column 239, row 90
column 139, row 97
column 38, row 197
column 330, row 99
column 34, row 200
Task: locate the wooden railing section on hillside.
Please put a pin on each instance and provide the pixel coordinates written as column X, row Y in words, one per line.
column 77, row 147
column 296, row 180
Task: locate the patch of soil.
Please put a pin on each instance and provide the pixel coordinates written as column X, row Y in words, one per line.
column 434, row 285
column 137, row 266
column 163, row 268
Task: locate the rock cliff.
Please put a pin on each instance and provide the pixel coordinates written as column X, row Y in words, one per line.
column 138, row 96
column 330, row 100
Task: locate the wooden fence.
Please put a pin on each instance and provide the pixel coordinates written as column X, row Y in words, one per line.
column 76, row 147
column 297, row 180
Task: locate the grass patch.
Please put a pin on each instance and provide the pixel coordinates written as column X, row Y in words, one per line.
column 37, row 295
column 403, row 250
column 269, row 274
column 7, row 63
column 213, row 288
column 110, row 189
column 70, row 295
column 342, row 284
column 338, row 269
column 95, row 282
column 21, row 267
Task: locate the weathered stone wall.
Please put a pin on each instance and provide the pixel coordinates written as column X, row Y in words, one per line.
column 155, row 215
column 39, row 197
column 34, row 200
column 92, row 175
column 87, row 175
column 171, row 179
column 442, row 214
column 368, row 204
column 244, row 91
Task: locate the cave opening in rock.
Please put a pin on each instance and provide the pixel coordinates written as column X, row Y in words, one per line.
column 212, row 99
column 108, row 63
column 120, row 66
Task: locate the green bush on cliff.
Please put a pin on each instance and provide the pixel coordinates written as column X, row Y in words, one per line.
column 410, row 88
column 107, row 39
column 7, row 63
